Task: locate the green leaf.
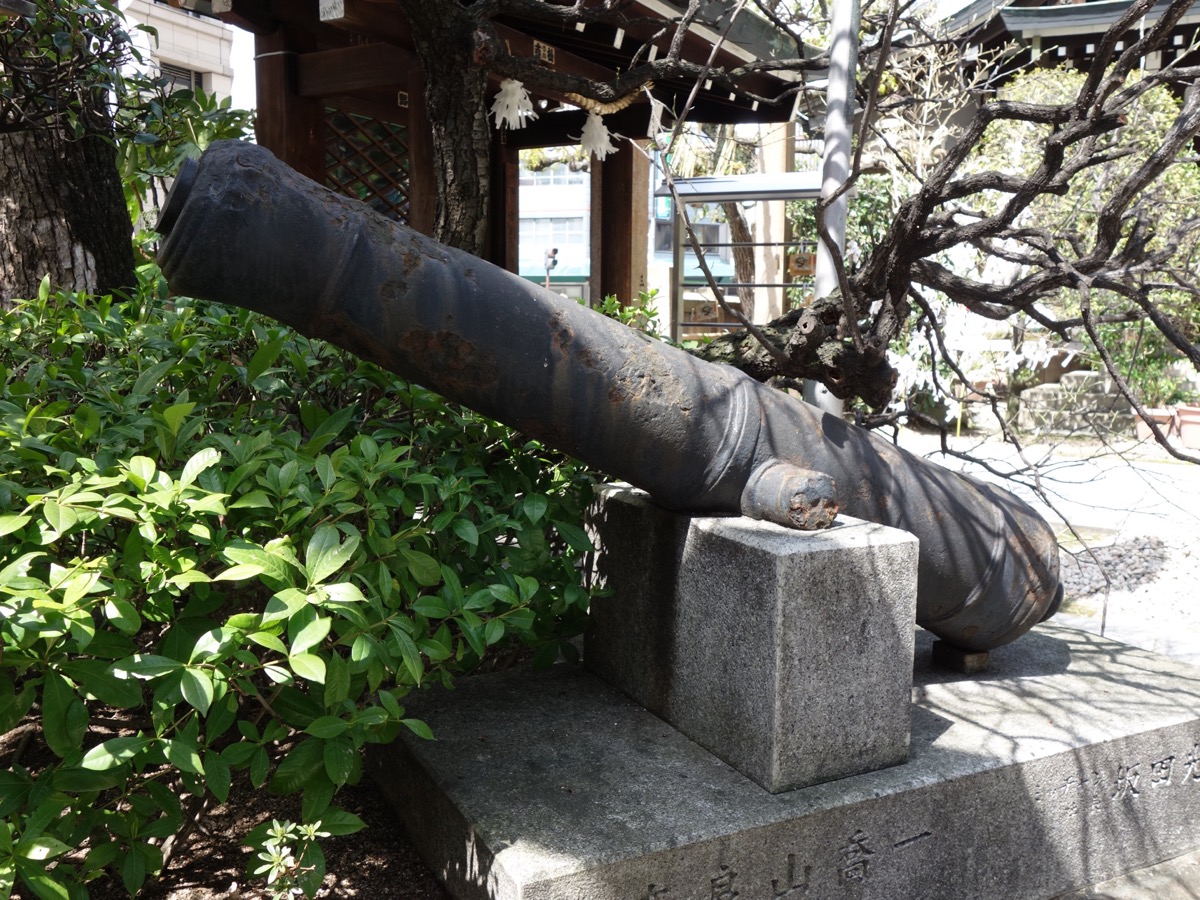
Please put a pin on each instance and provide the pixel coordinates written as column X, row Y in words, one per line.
column 146, row 666
column 175, row 415
column 575, row 536
column 272, row 565
column 327, row 727
column 466, row 530
column 338, row 822
column 133, row 871
column 311, row 635
column 388, row 701
column 339, row 757
column 493, row 631
column 86, row 421
column 325, row 553
column 43, row 847
column 259, row 763
column 337, row 680
column 197, row 688
column 308, row 666
column 114, row 752
column 79, row 781
column 269, row 641
column 9, row 524
column 64, row 716
column 13, row 705
column 59, row 518
column 240, row 572
column 141, row 472
column 204, row 459
column 329, row 429
column 317, row 795
column 217, row 775
column 43, row 885
column 96, row 677
column 423, row 567
column 534, row 506
column 432, row 606
column 147, row 383
column 304, row 761
column 264, row 357
column 183, row 754
column 122, row 615
column 410, row 654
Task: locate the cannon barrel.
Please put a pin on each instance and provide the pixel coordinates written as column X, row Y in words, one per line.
column 242, row 228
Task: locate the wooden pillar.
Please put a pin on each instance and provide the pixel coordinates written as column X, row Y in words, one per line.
column 290, row 126
column 624, row 217
column 504, row 213
column 422, row 189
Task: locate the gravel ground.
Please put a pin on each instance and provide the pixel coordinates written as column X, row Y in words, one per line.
column 1140, row 590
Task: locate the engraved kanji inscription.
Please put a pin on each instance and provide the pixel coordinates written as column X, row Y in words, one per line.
column 796, row 884
column 1127, row 782
column 722, row 885
column 654, row 892
column 855, row 858
column 1160, row 772
column 1191, row 769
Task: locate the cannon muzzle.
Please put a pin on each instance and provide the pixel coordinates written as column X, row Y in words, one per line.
column 242, row 228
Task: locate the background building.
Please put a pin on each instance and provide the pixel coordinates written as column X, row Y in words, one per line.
column 194, row 51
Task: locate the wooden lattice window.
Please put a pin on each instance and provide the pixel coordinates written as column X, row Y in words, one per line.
column 368, row 159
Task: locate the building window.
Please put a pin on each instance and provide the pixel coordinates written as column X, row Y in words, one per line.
column 187, row 7
column 553, row 232
column 557, row 174
column 181, row 79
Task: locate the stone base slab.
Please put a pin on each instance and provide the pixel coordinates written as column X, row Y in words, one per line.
column 1074, row 759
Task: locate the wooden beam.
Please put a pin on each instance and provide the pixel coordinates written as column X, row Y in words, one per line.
column 349, row 69
column 382, row 21
column 17, row 8
column 518, row 44
column 249, row 15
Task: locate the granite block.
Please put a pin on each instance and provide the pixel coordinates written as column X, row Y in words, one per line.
column 786, row 653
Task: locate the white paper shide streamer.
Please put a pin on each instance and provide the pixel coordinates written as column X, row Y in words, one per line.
column 512, row 105
column 596, row 138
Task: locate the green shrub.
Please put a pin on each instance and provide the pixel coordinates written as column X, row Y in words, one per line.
column 241, row 549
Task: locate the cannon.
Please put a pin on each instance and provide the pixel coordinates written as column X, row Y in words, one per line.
column 240, row 227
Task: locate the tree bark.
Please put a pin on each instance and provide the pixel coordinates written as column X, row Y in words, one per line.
column 456, row 99
column 62, row 214
column 743, row 256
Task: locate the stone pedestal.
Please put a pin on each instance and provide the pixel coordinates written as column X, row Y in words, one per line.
column 1073, row 760
column 788, row 654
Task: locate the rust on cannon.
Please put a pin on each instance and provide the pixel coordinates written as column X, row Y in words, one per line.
column 242, row 228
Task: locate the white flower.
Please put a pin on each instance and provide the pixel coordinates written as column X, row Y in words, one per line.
column 596, row 139
column 512, row 105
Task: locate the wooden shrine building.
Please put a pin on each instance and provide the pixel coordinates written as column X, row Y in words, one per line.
column 341, row 99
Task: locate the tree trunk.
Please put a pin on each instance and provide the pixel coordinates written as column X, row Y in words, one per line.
column 456, row 98
column 743, row 256
column 62, row 213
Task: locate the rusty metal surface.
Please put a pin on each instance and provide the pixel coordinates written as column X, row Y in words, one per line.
column 245, row 229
